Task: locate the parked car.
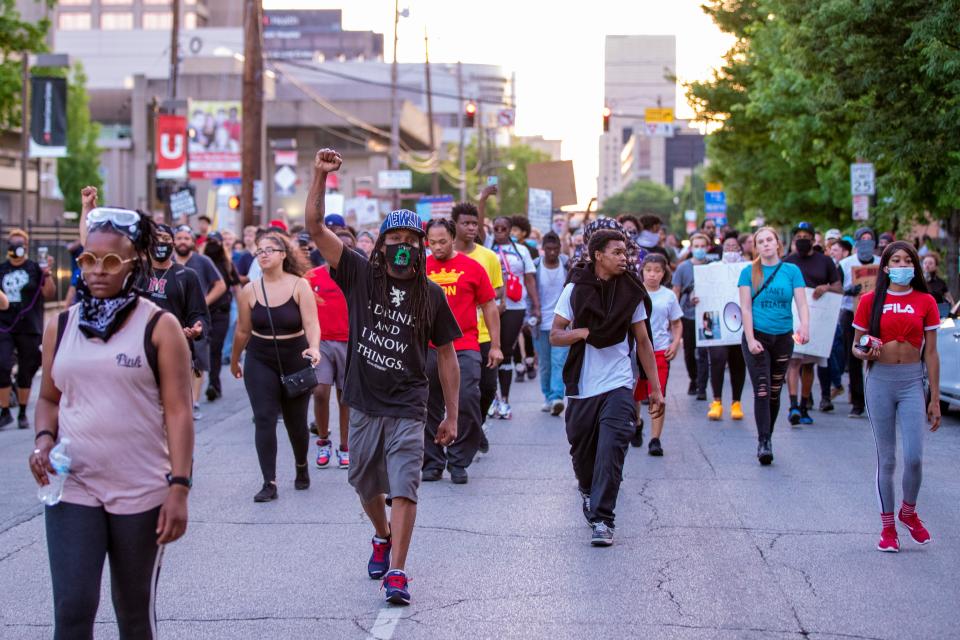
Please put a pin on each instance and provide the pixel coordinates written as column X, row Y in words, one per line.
column 948, row 346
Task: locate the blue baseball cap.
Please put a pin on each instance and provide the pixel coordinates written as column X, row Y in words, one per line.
column 402, row 219
column 334, row 220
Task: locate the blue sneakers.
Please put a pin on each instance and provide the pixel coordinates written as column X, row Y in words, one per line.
column 805, row 417
column 395, row 585
column 794, row 416
column 379, row 559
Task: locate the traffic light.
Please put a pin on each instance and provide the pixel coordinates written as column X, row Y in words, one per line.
column 606, row 119
column 233, row 202
column 470, row 115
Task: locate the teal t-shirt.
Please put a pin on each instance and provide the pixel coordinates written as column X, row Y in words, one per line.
column 772, row 312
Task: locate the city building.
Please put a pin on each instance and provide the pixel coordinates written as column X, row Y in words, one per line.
column 550, row 147
column 639, row 72
column 667, row 160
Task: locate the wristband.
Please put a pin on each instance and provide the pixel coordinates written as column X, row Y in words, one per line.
column 45, row 432
column 181, row 480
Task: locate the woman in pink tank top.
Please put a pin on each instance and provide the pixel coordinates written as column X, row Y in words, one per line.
column 116, row 382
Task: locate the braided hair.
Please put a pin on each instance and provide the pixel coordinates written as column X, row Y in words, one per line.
column 421, row 307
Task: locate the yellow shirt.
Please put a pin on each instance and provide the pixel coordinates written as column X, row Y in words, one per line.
column 489, row 261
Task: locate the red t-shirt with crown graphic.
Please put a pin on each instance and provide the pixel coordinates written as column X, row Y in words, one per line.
column 466, row 285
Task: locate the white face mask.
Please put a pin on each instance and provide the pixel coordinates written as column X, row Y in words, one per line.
column 731, row 256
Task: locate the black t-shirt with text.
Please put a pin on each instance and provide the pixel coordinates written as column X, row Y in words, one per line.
column 178, row 291
column 22, row 287
column 386, row 365
column 817, row 269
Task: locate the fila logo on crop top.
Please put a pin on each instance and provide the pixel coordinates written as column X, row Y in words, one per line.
column 896, row 307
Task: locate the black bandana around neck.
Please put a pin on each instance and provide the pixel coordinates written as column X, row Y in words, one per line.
column 101, row 317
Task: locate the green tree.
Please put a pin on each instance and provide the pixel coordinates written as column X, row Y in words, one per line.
column 641, row 197
column 81, row 167
column 16, row 37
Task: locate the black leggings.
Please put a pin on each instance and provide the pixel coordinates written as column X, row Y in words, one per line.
column 261, row 376
column 488, row 380
column 78, row 540
column 27, row 346
column 220, row 323
column 767, row 371
column 720, row 357
column 511, row 324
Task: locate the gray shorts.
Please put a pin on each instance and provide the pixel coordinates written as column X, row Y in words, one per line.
column 333, row 363
column 386, row 456
column 201, row 354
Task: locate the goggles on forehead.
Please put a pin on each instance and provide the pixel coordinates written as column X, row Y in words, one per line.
column 125, row 221
column 184, row 228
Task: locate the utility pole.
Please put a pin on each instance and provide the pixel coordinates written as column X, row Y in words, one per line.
column 252, row 105
column 394, row 107
column 24, row 136
column 462, row 150
column 435, row 176
column 175, row 49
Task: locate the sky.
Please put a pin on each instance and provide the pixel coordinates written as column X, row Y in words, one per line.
column 554, row 46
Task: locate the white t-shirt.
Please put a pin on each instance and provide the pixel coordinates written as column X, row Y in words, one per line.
column 549, row 285
column 518, row 259
column 603, row 369
column 665, row 309
column 846, row 267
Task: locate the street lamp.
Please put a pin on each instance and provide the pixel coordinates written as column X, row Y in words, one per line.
column 394, row 107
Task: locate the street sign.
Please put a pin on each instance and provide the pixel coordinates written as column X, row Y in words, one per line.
column 284, row 180
column 861, row 207
column 715, row 202
column 401, row 179
column 690, row 215
column 662, row 115
column 506, row 117
column 714, row 186
column 862, row 179
column 719, row 218
column 182, row 204
column 258, row 193
column 657, row 129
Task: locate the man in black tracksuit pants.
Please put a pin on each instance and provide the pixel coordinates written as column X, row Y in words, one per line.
column 601, row 315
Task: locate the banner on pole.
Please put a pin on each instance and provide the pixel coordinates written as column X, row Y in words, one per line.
column 48, row 117
column 170, row 156
column 214, row 139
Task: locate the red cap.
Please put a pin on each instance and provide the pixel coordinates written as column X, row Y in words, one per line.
column 279, row 224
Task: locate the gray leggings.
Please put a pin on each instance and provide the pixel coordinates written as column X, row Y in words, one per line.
column 894, row 393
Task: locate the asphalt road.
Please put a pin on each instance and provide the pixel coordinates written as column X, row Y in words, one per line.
column 708, row 544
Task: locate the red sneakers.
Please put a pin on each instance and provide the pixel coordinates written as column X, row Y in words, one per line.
column 889, row 541
column 918, row 532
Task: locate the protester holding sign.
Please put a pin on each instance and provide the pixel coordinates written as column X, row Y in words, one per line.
column 696, row 359
column 766, row 289
column 859, row 273
column 729, row 355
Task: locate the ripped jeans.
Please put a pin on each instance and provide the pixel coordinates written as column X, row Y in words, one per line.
column 767, row 371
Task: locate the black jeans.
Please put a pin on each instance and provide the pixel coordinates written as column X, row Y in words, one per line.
column 261, row 377
column 767, row 371
column 599, row 430
column 220, row 322
column 696, row 358
column 27, row 359
column 511, row 324
column 720, row 357
column 855, row 365
column 469, row 419
column 79, row 538
column 488, row 380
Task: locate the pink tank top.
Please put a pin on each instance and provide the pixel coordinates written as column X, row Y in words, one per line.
column 110, row 409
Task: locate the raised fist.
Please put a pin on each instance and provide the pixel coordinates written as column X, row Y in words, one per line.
column 327, row 160
column 88, row 197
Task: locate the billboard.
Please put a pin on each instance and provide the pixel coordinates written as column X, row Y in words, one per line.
column 48, row 117
column 171, row 147
column 215, row 141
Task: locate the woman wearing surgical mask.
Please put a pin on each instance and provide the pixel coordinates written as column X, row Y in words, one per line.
column 896, row 335
column 727, row 355
column 25, row 284
column 695, row 359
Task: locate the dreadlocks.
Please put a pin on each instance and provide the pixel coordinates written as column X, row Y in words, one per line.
column 420, row 306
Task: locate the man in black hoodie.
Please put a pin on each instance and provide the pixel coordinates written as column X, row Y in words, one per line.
column 601, row 315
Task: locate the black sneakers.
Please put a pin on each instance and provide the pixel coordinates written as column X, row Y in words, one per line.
column 23, row 422
column 765, row 451
column 302, row 480
column 654, row 448
column 5, row 417
column 825, row 404
column 458, row 475
column 585, row 501
column 268, row 493
column 602, row 534
column 431, row 475
column 637, row 440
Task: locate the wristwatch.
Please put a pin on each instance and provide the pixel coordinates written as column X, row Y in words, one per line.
column 181, row 480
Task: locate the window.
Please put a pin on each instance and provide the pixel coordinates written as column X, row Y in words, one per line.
column 157, row 20
column 116, row 20
column 74, row 21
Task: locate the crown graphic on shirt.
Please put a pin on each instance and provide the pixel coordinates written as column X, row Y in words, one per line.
column 443, row 277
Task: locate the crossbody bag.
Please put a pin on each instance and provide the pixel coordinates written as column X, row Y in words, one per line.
column 766, row 282
column 295, row 384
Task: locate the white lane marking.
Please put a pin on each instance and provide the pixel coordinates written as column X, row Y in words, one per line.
column 386, row 622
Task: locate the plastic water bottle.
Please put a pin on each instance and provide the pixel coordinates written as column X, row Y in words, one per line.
column 51, row 493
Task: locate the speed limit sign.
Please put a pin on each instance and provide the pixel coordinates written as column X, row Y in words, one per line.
column 862, row 179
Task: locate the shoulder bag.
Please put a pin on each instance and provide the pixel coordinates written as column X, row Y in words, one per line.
column 512, row 285
column 766, row 282
column 295, row 384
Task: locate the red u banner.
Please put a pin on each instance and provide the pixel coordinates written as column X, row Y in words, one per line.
column 171, row 147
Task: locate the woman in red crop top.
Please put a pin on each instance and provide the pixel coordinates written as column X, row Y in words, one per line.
column 904, row 317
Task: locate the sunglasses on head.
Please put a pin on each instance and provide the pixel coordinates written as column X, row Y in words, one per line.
column 183, row 228
column 111, row 263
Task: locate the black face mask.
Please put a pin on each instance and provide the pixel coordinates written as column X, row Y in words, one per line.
column 161, row 252
column 16, row 251
column 402, row 257
column 804, row 246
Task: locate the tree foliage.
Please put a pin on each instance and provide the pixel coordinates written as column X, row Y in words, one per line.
column 16, row 37
column 81, row 167
column 641, row 197
column 812, row 85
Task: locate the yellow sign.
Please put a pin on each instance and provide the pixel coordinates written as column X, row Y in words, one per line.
column 658, row 115
column 714, row 186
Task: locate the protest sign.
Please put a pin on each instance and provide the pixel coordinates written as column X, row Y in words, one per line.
column 718, row 320
column 824, row 314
